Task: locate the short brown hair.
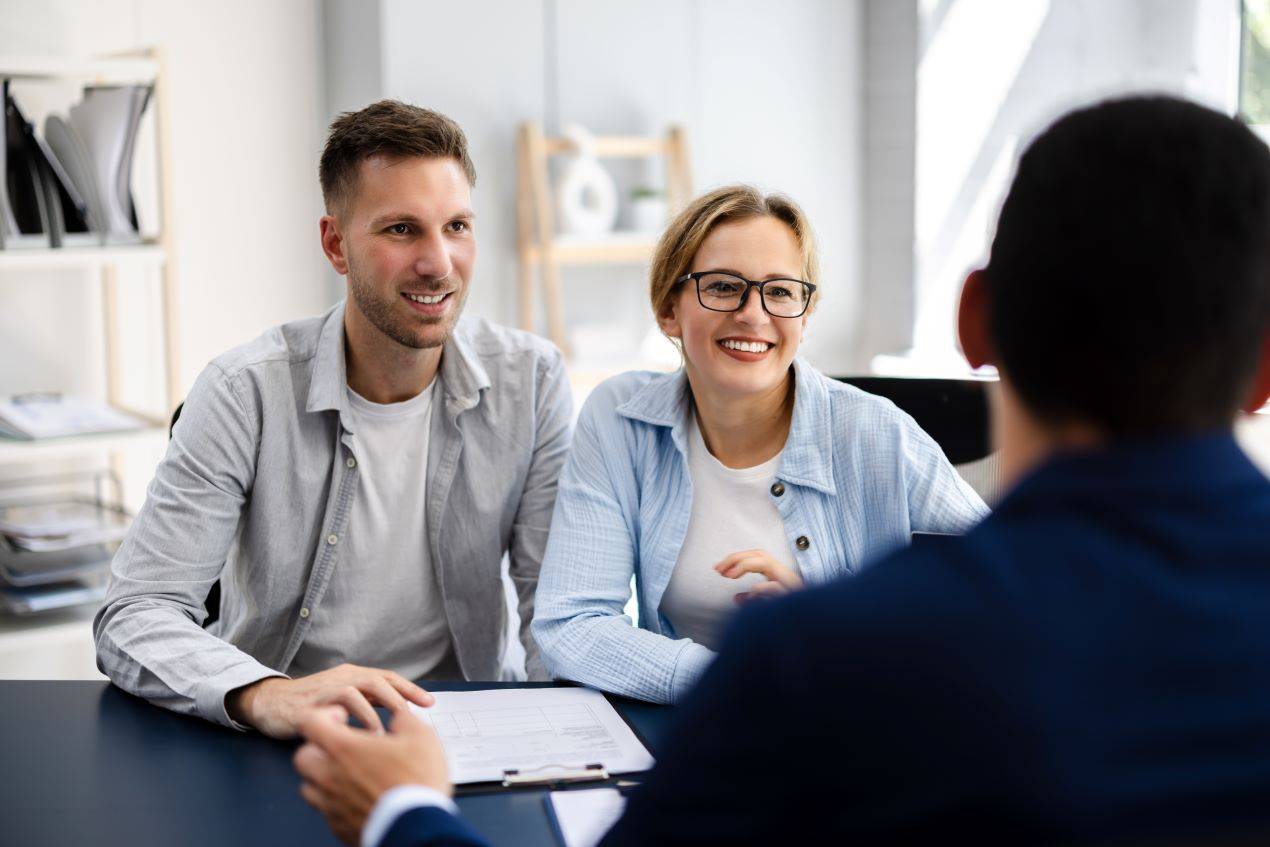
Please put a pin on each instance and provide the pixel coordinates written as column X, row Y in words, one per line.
column 386, row 128
column 683, row 237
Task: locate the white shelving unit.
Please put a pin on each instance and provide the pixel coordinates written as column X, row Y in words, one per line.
column 59, row 645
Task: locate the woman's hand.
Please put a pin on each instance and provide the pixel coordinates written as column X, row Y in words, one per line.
column 781, row 579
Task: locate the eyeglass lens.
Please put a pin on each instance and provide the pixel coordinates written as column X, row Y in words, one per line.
column 781, row 297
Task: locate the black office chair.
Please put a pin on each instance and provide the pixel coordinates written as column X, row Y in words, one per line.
column 212, row 603
column 954, row 412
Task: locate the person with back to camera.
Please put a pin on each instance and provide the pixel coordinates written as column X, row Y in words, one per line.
column 744, row 474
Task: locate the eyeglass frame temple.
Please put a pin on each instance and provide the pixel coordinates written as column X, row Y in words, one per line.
column 696, row 276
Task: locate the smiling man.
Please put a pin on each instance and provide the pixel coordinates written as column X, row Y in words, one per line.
column 354, row 480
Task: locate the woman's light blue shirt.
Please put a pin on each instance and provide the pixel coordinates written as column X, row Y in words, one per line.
column 859, row 477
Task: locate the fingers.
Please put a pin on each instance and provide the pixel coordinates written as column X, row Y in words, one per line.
column 331, row 712
column 767, row 589
column 406, row 722
column 314, row 796
column 379, row 691
column 731, row 559
column 764, row 565
column 312, row 763
column 358, row 706
column 746, row 565
column 324, row 725
column 409, row 690
column 759, row 591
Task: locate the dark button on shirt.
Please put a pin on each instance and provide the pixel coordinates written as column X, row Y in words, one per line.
column 803, row 542
column 778, row 488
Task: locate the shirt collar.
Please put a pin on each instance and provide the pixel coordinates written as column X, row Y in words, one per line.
column 463, row 377
column 808, row 456
column 326, row 387
column 462, row 374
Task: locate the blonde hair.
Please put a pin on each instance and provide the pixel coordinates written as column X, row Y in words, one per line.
column 683, row 237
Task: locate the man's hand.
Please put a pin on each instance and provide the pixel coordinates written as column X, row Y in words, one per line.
column 780, row 578
column 346, row 770
column 275, row 706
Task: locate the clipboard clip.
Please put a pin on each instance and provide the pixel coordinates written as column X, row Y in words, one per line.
column 554, row 775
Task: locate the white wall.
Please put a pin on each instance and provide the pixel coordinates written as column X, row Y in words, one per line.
column 769, row 94
column 246, row 118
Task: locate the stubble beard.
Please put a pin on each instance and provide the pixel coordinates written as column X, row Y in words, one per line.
column 383, row 314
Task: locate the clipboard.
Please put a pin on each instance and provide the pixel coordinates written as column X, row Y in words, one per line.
column 546, row 734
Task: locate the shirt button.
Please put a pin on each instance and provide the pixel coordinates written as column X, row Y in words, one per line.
column 778, row 488
column 351, row 462
column 803, row 542
column 304, row 613
column 332, row 538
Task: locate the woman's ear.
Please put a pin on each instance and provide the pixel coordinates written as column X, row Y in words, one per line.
column 973, row 321
column 668, row 321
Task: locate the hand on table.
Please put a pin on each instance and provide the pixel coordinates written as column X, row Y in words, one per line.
column 275, row 705
column 346, row 770
column 781, row 579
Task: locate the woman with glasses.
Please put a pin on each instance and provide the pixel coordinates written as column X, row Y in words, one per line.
column 744, row 474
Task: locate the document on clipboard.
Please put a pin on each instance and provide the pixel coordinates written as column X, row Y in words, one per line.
column 532, row 736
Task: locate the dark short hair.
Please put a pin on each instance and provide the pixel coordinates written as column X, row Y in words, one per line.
column 387, row 128
column 1129, row 278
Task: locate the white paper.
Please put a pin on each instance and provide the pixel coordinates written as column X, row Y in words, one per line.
column 585, row 816
column 487, row 732
column 57, row 415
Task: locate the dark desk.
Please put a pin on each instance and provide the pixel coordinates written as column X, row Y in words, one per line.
column 83, row 763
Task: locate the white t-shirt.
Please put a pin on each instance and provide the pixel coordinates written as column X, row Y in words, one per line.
column 732, row 510
column 383, row 607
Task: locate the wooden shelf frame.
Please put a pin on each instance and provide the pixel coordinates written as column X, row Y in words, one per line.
column 121, row 69
column 543, row 251
column 28, row 258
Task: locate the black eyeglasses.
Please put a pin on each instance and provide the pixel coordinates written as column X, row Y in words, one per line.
column 725, row 292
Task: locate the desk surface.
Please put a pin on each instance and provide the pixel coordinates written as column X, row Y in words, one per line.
column 85, row 763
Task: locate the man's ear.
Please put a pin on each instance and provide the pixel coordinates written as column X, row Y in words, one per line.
column 1260, row 391
column 333, row 243
column 973, row 321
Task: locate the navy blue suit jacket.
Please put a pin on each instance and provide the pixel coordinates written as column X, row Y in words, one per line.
column 1092, row 662
column 432, row 827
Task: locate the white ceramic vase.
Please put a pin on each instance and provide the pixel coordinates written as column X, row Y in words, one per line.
column 585, row 196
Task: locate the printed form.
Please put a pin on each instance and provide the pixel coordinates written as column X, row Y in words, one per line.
column 487, row 732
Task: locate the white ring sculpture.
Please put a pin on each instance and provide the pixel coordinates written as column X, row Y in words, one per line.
column 586, row 195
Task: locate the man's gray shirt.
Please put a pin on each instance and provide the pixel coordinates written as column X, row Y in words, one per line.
column 257, row 487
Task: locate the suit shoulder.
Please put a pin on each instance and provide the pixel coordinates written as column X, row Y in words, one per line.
column 912, row 595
